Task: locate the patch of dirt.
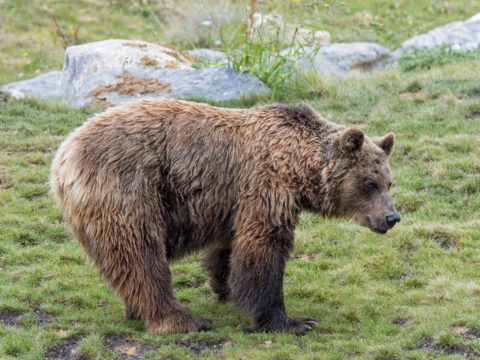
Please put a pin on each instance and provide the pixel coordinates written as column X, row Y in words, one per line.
column 412, row 94
column 460, row 349
column 401, row 276
column 444, row 239
column 66, row 349
column 4, row 97
column 99, row 103
column 148, row 62
column 468, row 334
column 474, row 115
column 14, row 318
column 43, row 317
column 421, row 189
column 197, row 346
column 192, row 58
column 135, row 45
column 400, row 321
column 306, row 257
column 171, row 65
column 10, row 318
column 62, row 333
column 183, row 58
column 130, row 85
column 3, row 186
column 127, row 349
column 35, row 195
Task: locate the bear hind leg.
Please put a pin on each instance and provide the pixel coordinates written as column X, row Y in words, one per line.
column 139, row 273
column 148, row 294
column 217, row 262
column 130, row 313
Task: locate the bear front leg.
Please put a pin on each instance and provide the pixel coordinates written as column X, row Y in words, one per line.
column 256, row 278
column 217, row 262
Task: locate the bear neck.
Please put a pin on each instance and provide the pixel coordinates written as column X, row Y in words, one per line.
column 324, row 172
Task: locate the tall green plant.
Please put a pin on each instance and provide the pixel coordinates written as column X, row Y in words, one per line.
column 261, row 56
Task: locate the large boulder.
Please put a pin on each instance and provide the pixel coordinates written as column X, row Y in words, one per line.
column 459, row 35
column 115, row 71
column 83, row 60
column 343, row 59
column 130, row 83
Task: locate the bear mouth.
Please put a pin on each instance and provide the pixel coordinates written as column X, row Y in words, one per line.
column 376, row 229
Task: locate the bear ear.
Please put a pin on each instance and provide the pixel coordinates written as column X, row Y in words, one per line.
column 352, row 139
column 386, row 143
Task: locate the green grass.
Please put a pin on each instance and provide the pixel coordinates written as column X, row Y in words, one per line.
column 374, row 296
column 426, row 59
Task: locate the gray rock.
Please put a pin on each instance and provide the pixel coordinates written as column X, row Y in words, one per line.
column 341, row 59
column 83, row 60
column 208, row 55
column 216, row 83
column 45, row 85
column 459, row 35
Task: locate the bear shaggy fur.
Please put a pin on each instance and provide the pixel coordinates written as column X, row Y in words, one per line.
column 155, row 179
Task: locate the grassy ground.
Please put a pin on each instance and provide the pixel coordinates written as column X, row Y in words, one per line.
column 29, row 44
column 413, row 293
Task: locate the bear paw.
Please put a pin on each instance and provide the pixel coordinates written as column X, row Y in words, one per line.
column 300, row 325
column 179, row 323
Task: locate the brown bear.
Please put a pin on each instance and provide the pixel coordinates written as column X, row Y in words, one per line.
column 152, row 180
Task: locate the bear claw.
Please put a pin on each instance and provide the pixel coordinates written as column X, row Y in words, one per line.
column 300, row 325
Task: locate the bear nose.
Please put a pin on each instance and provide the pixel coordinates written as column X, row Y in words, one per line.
column 392, row 219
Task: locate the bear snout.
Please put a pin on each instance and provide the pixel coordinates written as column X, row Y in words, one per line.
column 392, row 219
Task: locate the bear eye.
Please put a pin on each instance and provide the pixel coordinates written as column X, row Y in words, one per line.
column 372, row 186
column 389, row 186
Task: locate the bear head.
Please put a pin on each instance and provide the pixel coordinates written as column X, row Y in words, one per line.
column 363, row 193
